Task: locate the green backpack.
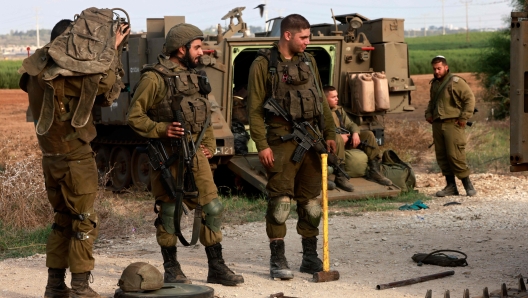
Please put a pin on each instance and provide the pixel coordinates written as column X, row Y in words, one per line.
column 399, row 172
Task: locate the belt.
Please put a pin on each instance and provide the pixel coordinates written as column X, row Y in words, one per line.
column 448, row 120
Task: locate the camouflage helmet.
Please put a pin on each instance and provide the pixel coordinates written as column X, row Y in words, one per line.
column 179, row 36
column 140, row 276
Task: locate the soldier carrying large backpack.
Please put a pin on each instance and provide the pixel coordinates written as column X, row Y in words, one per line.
column 61, row 98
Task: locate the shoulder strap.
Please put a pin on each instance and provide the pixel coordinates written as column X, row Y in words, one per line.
column 309, row 62
column 340, row 117
column 442, row 87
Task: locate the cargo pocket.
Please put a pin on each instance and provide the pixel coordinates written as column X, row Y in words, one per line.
column 83, row 176
column 182, row 84
column 304, row 73
column 278, row 160
column 460, row 151
column 308, row 101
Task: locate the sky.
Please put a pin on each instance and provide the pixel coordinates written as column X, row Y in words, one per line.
column 22, row 16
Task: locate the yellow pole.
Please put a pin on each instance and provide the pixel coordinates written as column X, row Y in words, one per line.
column 326, row 256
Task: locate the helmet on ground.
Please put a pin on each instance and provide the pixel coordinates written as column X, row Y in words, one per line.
column 179, row 36
column 140, row 276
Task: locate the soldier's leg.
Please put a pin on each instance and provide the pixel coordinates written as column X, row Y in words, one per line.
column 456, row 153
column 373, row 153
column 79, row 188
column 58, row 241
column 280, row 187
column 165, row 230
column 341, row 181
column 307, row 188
column 210, row 231
column 440, row 138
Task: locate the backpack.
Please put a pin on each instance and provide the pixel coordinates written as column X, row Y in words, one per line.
column 399, row 172
column 87, row 45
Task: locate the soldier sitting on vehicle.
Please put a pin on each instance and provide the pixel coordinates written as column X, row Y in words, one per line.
column 352, row 140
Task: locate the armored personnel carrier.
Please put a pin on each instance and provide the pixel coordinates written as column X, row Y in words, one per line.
column 348, row 52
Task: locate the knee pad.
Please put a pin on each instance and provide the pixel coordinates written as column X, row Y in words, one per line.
column 167, row 216
column 311, row 211
column 213, row 215
column 278, row 210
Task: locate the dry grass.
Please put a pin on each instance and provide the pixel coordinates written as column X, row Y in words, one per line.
column 409, row 139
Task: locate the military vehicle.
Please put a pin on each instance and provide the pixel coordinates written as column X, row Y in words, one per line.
column 519, row 92
column 348, row 52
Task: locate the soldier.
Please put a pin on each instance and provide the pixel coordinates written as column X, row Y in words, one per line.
column 293, row 79
column 151, row 116
column 451, row 104
column 70, row 172
column 342, row 140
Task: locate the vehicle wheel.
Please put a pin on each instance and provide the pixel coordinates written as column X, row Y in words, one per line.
column 141, row 170
column 102, row 158
column 121, row 165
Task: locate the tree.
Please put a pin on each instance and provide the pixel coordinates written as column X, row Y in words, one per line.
column 494, row 68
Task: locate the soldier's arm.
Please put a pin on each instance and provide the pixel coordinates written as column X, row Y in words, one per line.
column 349, row 124
column 466, row 98
column 329, row 125
column 144, row 98
column 209, row 139
column 430, row 106
column 256, row 97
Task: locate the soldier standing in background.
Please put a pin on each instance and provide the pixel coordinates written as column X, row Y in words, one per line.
column 151, row 116
column 293, row 80
column 353, row 139
column 70, row 171
column 450, row 106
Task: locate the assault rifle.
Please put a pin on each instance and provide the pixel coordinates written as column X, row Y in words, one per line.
column 305, row 135
column 361, row 146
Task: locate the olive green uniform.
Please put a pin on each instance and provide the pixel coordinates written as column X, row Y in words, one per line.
column 454, row 102
column 150, row 92
column 68, row 162
column 349, row 125
column 300, row 181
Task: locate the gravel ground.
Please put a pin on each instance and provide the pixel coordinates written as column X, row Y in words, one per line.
column 367, row 250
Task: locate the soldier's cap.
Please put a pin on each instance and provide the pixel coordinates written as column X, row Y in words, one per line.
column 439, row 58
column 179, row 36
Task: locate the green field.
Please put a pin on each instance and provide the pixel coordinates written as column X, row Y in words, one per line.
column 461, row 55
column 9, row 76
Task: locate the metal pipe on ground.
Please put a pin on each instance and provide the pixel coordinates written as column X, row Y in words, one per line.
column 414, row 280
column 325, row 275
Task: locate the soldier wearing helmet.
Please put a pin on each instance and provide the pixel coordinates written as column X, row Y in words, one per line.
column 150, row 115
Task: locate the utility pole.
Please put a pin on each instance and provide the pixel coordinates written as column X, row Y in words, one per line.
column 443, row 20
column 425, row 24
column 467, row 19
column 38, row 33
column 266, row 16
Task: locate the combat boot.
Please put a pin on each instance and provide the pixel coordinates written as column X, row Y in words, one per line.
column 330, row 185
column 173, row 272
column 278, row 264
column 219, row 273
column 450, row 189
column 80, row 287
column 374, row 172
column 468, row 186
column 342, row 182
column 310, row 262
column 56, row 288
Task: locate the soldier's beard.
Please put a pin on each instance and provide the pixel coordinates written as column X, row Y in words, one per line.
column 188, row 61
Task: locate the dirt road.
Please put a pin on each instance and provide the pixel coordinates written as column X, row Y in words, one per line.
column 367, row 250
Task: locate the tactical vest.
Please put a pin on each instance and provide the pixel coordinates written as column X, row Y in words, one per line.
column 294, row 85
column 184, row 86
column 446, row 105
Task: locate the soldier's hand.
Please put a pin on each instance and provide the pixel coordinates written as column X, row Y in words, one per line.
column 429, row 119
column 206, row 152
column 266, row 158
column 331, row 146
column 345, row 138
column 121, row 33
column 355, row 140
column 461, row 123
column 174, row 130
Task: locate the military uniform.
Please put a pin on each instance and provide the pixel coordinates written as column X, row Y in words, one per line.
column 451, row 101
column 455, row 102
column 149, row 115
column 301, row 181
